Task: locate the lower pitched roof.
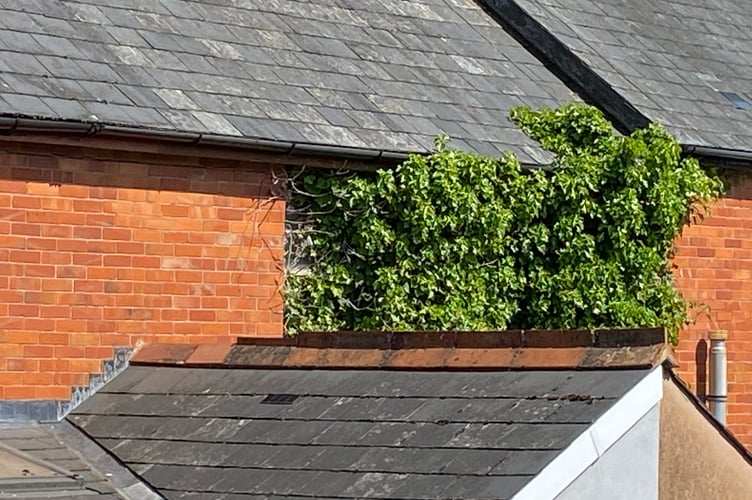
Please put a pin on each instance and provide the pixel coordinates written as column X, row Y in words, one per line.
column 345, row 433
column 225, row 430
column 57, row 461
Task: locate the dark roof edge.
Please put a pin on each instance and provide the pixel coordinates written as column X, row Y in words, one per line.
column 126, row 481
column 11, row 125
column 719, row 157
column 566, row 65
column 722, row 429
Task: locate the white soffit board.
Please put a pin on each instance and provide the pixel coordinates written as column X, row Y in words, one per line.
column 596, row 440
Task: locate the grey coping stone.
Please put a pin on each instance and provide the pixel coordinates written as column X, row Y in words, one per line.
column 641, row 48
column 323, row 58
column 349, row 434
column 24, row 411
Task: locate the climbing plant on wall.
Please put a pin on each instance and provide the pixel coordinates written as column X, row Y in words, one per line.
column 457, row 240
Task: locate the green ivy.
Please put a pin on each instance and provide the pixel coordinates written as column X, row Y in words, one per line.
column 456, row 240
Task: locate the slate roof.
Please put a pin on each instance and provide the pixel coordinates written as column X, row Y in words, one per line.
column 203, row 432
column 365, row 414
column 358, row 73
column 671, row 59
column 37, row 462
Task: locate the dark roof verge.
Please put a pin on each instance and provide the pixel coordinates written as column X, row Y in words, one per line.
column 565, row 64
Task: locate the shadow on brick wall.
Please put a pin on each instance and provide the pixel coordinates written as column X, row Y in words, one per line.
column 701, row 376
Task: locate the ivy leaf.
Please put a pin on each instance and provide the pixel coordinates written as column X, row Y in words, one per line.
column 457, row 240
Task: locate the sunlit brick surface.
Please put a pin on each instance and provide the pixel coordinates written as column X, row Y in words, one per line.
column 714, row 269
column 96, row 254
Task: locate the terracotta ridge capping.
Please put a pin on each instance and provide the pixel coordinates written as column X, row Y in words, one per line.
column 467, row 340
column 511, row 350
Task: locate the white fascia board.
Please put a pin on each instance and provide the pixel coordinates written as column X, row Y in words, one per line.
column 596, row 440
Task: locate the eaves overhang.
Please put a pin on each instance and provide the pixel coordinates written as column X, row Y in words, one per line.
column 293, row 153
column 719, row 157
column 297, row 152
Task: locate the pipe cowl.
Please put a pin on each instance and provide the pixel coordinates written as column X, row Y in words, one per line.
column 717, row 335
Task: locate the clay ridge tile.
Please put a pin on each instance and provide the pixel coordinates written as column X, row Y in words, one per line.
column 461, row 339
column 163, row 353
column 513, row 350
column 448, row 358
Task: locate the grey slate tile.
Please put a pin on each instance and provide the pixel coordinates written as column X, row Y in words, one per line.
column 497, row 488
column 524, row 462
column 380, row 409
column 545, row 436
column 389, row 433
column 239, row 406
column 280, row 482
column 66, row 107
column 22, row 64
column 34, row 106
column 181, row 9
column 338, row 458
column 331, row 484
column 337, row 117
column 24, row 85
column 341, row 433
column 282, row 457
column 440, row 434
column 270, row 432
column 308, row 408
column 15, row 20
column 57, row 46
column 376, row 485
column 409, row 460
column 20, row 42
column 60, row 67
column 130, row 37
column 322, row 45
column 473, row 462
column 425, row 487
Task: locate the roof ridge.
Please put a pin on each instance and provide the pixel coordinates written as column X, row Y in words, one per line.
column 466, row 339
column 508, row 350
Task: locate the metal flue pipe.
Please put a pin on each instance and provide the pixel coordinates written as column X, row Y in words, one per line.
column 718, row 388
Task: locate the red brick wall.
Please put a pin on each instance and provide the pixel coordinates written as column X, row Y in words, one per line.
column 96, row 253
column 714, row 262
